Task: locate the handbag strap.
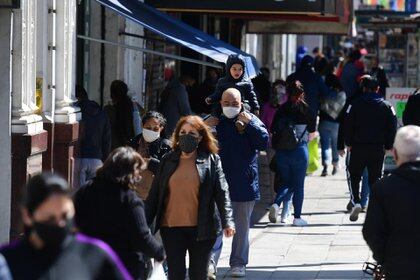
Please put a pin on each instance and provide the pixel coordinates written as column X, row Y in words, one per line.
column 303, row 133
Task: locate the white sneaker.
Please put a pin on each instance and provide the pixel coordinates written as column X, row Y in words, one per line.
column 274, row 210
column 285, row 219
column 354, row 214
column 238, row 271
column 299, row 222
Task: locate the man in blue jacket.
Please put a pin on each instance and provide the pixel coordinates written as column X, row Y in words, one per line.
column 239, row 147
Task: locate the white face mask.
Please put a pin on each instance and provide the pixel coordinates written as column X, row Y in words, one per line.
column 150, row 135
column 231, row 112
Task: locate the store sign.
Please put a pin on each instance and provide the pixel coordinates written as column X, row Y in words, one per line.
column 398, row 98
column 246, row 6
column 9, row 4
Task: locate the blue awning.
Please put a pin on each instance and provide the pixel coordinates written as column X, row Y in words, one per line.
column 179, row 32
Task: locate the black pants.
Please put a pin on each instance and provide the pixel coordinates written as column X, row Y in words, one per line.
column 177, row 241
column 361, row 157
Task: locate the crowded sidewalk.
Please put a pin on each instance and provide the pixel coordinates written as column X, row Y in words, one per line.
column 330, row 247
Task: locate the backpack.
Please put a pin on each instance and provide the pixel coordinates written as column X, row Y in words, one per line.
column 286, row 137
column 332, row 106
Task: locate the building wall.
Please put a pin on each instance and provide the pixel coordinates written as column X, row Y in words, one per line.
column 28, row 43
column 5, row 140
column 119, row 63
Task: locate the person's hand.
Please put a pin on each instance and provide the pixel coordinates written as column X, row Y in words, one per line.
column 208, row 101
column 229, row 232
column 342, row 153
column 212, row 121
column 244, row 117
column 348, row 149
column 312, row 136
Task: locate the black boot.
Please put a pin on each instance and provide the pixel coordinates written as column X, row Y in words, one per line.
column 324, row 171
column 335, row 169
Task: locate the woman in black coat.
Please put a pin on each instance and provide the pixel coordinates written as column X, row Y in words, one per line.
column 109, row 209
column 190, row 200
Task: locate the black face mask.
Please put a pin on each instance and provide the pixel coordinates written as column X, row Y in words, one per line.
column 188, row 143
column 53, row 236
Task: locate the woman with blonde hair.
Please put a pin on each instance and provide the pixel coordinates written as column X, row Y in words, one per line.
column 190, row 199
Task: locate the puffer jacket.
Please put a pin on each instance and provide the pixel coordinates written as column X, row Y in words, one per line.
column 239, row 155
column 242, row 84
column 214, row 206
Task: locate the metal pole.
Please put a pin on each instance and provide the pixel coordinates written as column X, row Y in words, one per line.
column 150, row 51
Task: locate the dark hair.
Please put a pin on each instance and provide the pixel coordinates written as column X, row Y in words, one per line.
column 368, row 82
column 279, row 82
column 212, row 69
column 119, row 90
column 81, row 92
column 295, row 90
column 42, row 186
column 154, row 115
column 123, row 110
column 307, row 61
column 315, row 50
column 185, row 79
column 355, row 55
column 321, row 67
column 264, row 69
column 332, row 81
column 208, row 143
column 120, row 167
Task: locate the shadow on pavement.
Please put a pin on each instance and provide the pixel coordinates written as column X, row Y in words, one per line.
column 293, row 272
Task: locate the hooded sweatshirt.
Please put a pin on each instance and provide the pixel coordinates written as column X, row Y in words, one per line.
column 242, row 84
column 313, row 84
column 370, row 120
column 96, row 131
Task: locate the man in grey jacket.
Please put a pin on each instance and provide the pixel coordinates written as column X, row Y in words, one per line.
column 174, row 102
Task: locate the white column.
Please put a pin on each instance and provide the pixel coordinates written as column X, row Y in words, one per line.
column 5, row 137
column 24, row 119
column 65, row 47
column 45, row 66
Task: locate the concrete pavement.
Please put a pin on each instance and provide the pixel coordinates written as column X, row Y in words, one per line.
column 331, row 247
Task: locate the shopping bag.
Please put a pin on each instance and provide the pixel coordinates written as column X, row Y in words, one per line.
column 313, row 152
column 158, row 273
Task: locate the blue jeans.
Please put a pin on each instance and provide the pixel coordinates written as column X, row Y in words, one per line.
column 364, row 194
column 328, row 131
column 240, row 245
column 86, row 170
column 292, row 167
